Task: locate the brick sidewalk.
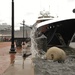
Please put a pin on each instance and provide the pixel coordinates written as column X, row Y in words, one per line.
column 4, row 44
column 4, row 59
column 17, row 69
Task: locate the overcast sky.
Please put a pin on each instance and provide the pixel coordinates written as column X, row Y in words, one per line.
column 30, row 9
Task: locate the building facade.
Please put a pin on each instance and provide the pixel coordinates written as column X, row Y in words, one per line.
column 5, row 32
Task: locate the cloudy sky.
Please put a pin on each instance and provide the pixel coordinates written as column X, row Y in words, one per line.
column 30, row 9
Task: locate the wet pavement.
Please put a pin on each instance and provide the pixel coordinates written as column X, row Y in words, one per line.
column 41, row 67
column 4, row 57
column 17, row 69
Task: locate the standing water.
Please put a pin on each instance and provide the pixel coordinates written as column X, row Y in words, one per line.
column 34, row 49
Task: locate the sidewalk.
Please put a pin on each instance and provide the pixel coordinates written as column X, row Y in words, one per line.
column 4, row 59
column 17, row 69
column 7, row 69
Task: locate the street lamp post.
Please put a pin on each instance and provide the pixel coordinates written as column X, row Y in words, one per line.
column 12, row 50
column 23, row 31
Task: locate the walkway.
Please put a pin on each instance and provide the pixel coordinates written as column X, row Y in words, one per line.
column 18, row 69
column 7, row 69
column 4, row 59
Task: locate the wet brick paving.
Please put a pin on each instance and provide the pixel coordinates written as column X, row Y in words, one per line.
column 4, row 56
